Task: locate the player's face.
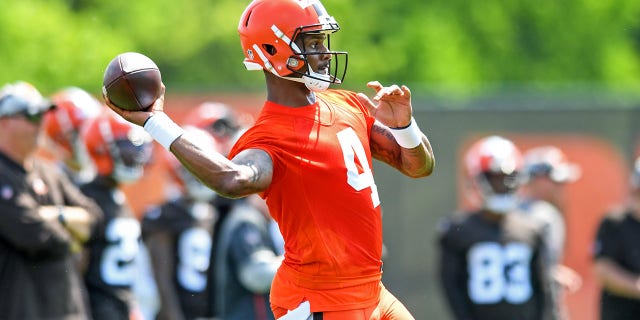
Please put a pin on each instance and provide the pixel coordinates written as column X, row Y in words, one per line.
column 502, row 183
column 316, row 50
column 132, row 154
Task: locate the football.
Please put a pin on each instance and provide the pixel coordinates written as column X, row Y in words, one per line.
column 132, row 81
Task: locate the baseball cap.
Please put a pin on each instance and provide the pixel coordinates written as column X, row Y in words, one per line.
column 22, row 97
column 550, row 161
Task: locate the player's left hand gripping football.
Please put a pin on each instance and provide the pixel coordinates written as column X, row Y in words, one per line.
column 391, row 105
column 137, row 117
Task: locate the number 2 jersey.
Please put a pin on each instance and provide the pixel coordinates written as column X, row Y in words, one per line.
column 112, row 252
column 495, row 269
column 324, row 199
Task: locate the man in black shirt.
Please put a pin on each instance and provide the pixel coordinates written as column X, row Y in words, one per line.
column 493, row 260
column 617, row 257
column 44, row 217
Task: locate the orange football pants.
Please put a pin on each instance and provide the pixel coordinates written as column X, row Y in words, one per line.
column 387, row 308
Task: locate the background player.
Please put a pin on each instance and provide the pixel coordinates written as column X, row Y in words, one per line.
column 493, row 262
column 617, row 257
column 309, row 154
column 179, row 236
column 220, row 120
column 247, row 256
column 224, row 125
column 119, row 151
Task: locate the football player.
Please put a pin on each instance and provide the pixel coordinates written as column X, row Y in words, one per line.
column 309, row 155
column 119, row 151
column 493, row 261
column 179, row 236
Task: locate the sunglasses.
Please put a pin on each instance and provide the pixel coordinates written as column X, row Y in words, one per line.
column 33, row 118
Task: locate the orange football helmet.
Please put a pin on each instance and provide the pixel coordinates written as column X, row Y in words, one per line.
column 118, row 148
column 218, row 119
column 269, row 33
column 493, row 165
column 63, row 125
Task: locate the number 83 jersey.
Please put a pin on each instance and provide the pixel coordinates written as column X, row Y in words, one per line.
column 495, row 269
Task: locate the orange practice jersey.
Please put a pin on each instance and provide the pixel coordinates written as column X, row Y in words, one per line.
column 324, row 199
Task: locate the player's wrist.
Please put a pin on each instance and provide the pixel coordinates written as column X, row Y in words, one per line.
column 162, row 129
column 408, row 137
column 147, row 119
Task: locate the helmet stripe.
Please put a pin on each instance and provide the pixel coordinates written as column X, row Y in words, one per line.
column 264, row 59
column 284, row 37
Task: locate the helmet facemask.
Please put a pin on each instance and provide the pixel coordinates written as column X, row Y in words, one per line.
column 499, row 191
column 129, row 160
column 336, row 65
column 129, row 154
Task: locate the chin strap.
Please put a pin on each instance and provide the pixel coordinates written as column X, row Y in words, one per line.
column 313, row 81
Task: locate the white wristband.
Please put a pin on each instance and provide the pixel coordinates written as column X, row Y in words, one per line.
column 409, row 137
column 163, row 129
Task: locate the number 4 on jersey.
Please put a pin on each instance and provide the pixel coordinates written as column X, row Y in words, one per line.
column 359, row 174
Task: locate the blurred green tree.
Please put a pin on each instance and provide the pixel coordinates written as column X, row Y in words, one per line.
column 457, row 46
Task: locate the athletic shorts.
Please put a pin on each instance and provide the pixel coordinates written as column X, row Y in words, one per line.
column 387, row 308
